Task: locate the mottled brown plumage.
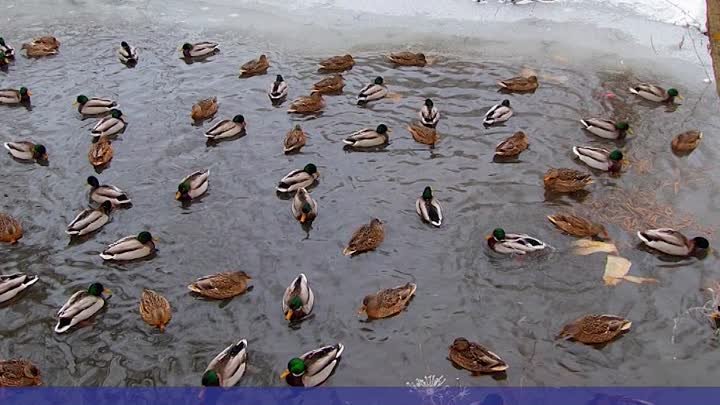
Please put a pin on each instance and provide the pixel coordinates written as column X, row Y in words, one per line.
column 337, row 63
column 388, row 302
column 595, row 329
column 367, row 237
column 19, row 373
column 10, row 229
column 255, row 67
column 578, row 226
column 204, row 109
column 519, row 84
column 686, row 142
column 566, row 180
column 512, row 146
column 474, row 357
column 221, row 286
column 330, row 85
column 42, row 46
column 294, row 140
column 307, row 104
column 155, row 309
column 408, row 59
column 423, row 134
column 101, row 152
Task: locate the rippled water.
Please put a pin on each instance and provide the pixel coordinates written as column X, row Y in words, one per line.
column 514, row 306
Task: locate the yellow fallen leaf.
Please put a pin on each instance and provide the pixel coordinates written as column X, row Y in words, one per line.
column 640, row 280
column 584, row 247
column 617, row 267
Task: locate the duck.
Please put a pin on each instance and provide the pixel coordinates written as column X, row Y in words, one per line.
column 12, row 96
column 25, row 150
column 11, row 229
column 94, row 106
column 674, row 243
column 4, row 60
column 656, row 93
column 155, row 309
column 428, row 208
column 193, row 185
column 101, row 151
column 510, row 243
column 429, row 115
column 373, row 91
column 337, row 63
column 294, row 140
column 423, row 134
column 565, row 180
column 13, row 284
column 686, row 142
column 387, row 302
column 7, row 49
column 408, row 59
column 42, row 46
column 221, row 286
column 19, row 373
column 255, row 67
column 127, row 54
column 90, row 220
column 314, row 367
column 131, row 247
column 81, row 306
column 227, row 128
column 595, row 329
column 474, row 357
column 330, row 85
column 278, row 90
column 607, row 129
column 367, row 237
column 578, row 226
column 519, row 84
column 298, row 299
column 599, row 158
column 101, row 193
column 300, row 178
column 304, row 207
column 228, row 367
column 512, row 146
column 199, row 50
column 368, row 138
column 307, row 104
column 111, row 125
column 498, row 113
column 204, row 109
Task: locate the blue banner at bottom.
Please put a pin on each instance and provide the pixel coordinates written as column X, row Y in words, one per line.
column 361, row 396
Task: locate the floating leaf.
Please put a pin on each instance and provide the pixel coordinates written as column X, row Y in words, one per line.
column 584, row 247
column 616, row 270
column 640, row 280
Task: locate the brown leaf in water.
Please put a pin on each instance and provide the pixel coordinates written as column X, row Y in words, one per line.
column 584, row 247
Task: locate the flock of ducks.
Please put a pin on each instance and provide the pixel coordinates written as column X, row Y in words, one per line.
column 315, row 366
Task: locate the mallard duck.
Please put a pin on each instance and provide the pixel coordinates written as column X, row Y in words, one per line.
column 607, row 129
column 127, row 54
column 373, row 91
column 42, row 46
column 94, row 106
column 428, row 208
column 498, row 113
column 298, row 300
column 519, row 84
column 423, row 134
column 367, row 237
column 599, row 158
column 101, row 151
column 155, row 309
column 11, row 230
column 131, row 247
column 81, row 306
column 221, row 286
column 255, row 67
column 307, row 104
column 193, row 185
column 672, row 242
column 578, row 226
column 199, row 50
column 408, row 59
column 512, row 146
column 204, row 109
column 337, row 63
column 595, row 329
column 656, row 93
column 47, row 40
column 278, row 90
column 106, row 192
column 686, row 142
column 19, row 373
column 7, row 49
column 304, row 208
column 429, row 115
column 24, row 150
column 511, row 243
column 13, row 284
column 475, row 358
column 227, row 128
column 368, row 138
column 294, row 140
column 330, row 85
column 12, row 96
column 314, row 367
column 296, row 179
column 90, row 220
column 387, row 302
column 111, row 125
column 228, row 367
column 566, row 180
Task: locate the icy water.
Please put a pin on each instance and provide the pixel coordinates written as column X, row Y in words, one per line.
column 514, row 306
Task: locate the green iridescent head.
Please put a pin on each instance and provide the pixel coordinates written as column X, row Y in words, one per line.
column 310, row 168
column 96, row 289
column 295, row 303
column 210, row 379
column 616, row 155
column 296, row 366
column 499, row 233
column 144, row 237
column 81, row 99
column 673, row 92
column 427, row 193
